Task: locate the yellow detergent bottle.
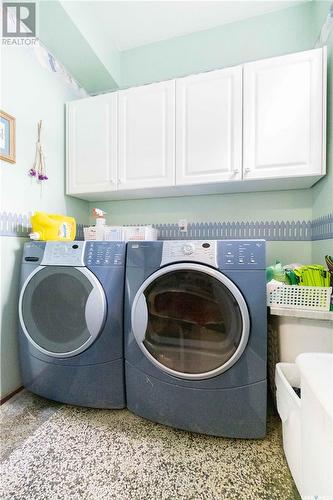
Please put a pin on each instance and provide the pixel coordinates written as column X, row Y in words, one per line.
column 52, row 227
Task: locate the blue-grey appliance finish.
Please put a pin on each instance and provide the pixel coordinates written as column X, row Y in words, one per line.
column 195, row 335
column 71, row 322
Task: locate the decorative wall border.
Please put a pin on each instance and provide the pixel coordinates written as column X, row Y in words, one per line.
column 322, row 228
column 18, row 225
column 12, row 224
column 270, row 231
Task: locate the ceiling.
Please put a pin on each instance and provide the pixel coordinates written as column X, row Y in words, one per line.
column 126, row 25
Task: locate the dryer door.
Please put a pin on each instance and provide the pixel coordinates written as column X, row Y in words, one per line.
column 62, row 309
column 190, row 320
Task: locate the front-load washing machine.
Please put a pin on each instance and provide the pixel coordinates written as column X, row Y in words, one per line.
column 195, row 335
column 71, row 322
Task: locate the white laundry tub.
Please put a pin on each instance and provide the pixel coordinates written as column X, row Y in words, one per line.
column 307, row 422
column 289, row 407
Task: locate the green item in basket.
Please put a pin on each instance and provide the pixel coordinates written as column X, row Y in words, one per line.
column 329, row 263
column 276, row 272
column 292, row 278
column 313, row 275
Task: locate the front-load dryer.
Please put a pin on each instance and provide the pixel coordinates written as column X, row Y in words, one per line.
column 71, row 322
column 195, row 335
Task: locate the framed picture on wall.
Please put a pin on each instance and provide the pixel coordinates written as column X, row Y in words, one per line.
column 7, row 137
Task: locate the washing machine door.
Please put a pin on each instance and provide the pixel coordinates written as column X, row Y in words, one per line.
column 62, row 309
column 190, row 320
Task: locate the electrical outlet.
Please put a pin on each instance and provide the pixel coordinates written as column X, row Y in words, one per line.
column 182, row 224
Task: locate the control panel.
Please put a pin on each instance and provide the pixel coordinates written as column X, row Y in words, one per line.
column 33, row 252
column 63, row 253
column 193, row 251
column 242, row 254
column 105, row 253
column 83, row 253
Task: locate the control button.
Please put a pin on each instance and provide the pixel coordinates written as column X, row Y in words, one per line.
column 188, row 249
column 241, row 261
column 31, row 259
column 206, row 245
column 75, row 246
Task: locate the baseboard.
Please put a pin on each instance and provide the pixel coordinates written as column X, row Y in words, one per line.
column 10, row 395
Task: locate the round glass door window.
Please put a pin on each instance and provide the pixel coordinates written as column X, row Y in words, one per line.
column 196, row 322
column 62, row 310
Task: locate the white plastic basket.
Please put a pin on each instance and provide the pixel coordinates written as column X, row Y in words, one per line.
column 89, row 233
column 300, row 297
column 140, row 233
column 125, row 233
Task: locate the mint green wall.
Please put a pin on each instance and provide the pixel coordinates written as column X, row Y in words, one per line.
column 322, row 192
column 274, row 205
column 109, row 55
column 63, row 38
column 319, row 249
column 29, row 93
column 269, row 35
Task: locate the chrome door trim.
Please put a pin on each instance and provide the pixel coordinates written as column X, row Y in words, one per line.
column 138, row 323
column 94, row 326
column 141, row 319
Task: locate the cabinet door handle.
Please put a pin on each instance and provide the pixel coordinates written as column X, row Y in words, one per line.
column 247, row 170
column 119, row 181
column 236, row 171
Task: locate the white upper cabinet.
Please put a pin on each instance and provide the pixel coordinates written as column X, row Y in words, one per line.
column 209, row 127
column 92, row 144
column 256, row 127
column 147, row 136
column 284, row 116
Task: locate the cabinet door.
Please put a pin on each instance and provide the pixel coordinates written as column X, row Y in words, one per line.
column 209, row 127
column 92, row 144
column 284, row 116
column 147, row 136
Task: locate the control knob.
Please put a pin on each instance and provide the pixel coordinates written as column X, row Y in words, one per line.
column 188, row 249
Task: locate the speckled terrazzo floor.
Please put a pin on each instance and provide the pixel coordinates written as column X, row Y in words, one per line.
column 20, row 417
column 70, row 453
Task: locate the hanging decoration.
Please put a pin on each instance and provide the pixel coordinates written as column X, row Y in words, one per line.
column 38, row 169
